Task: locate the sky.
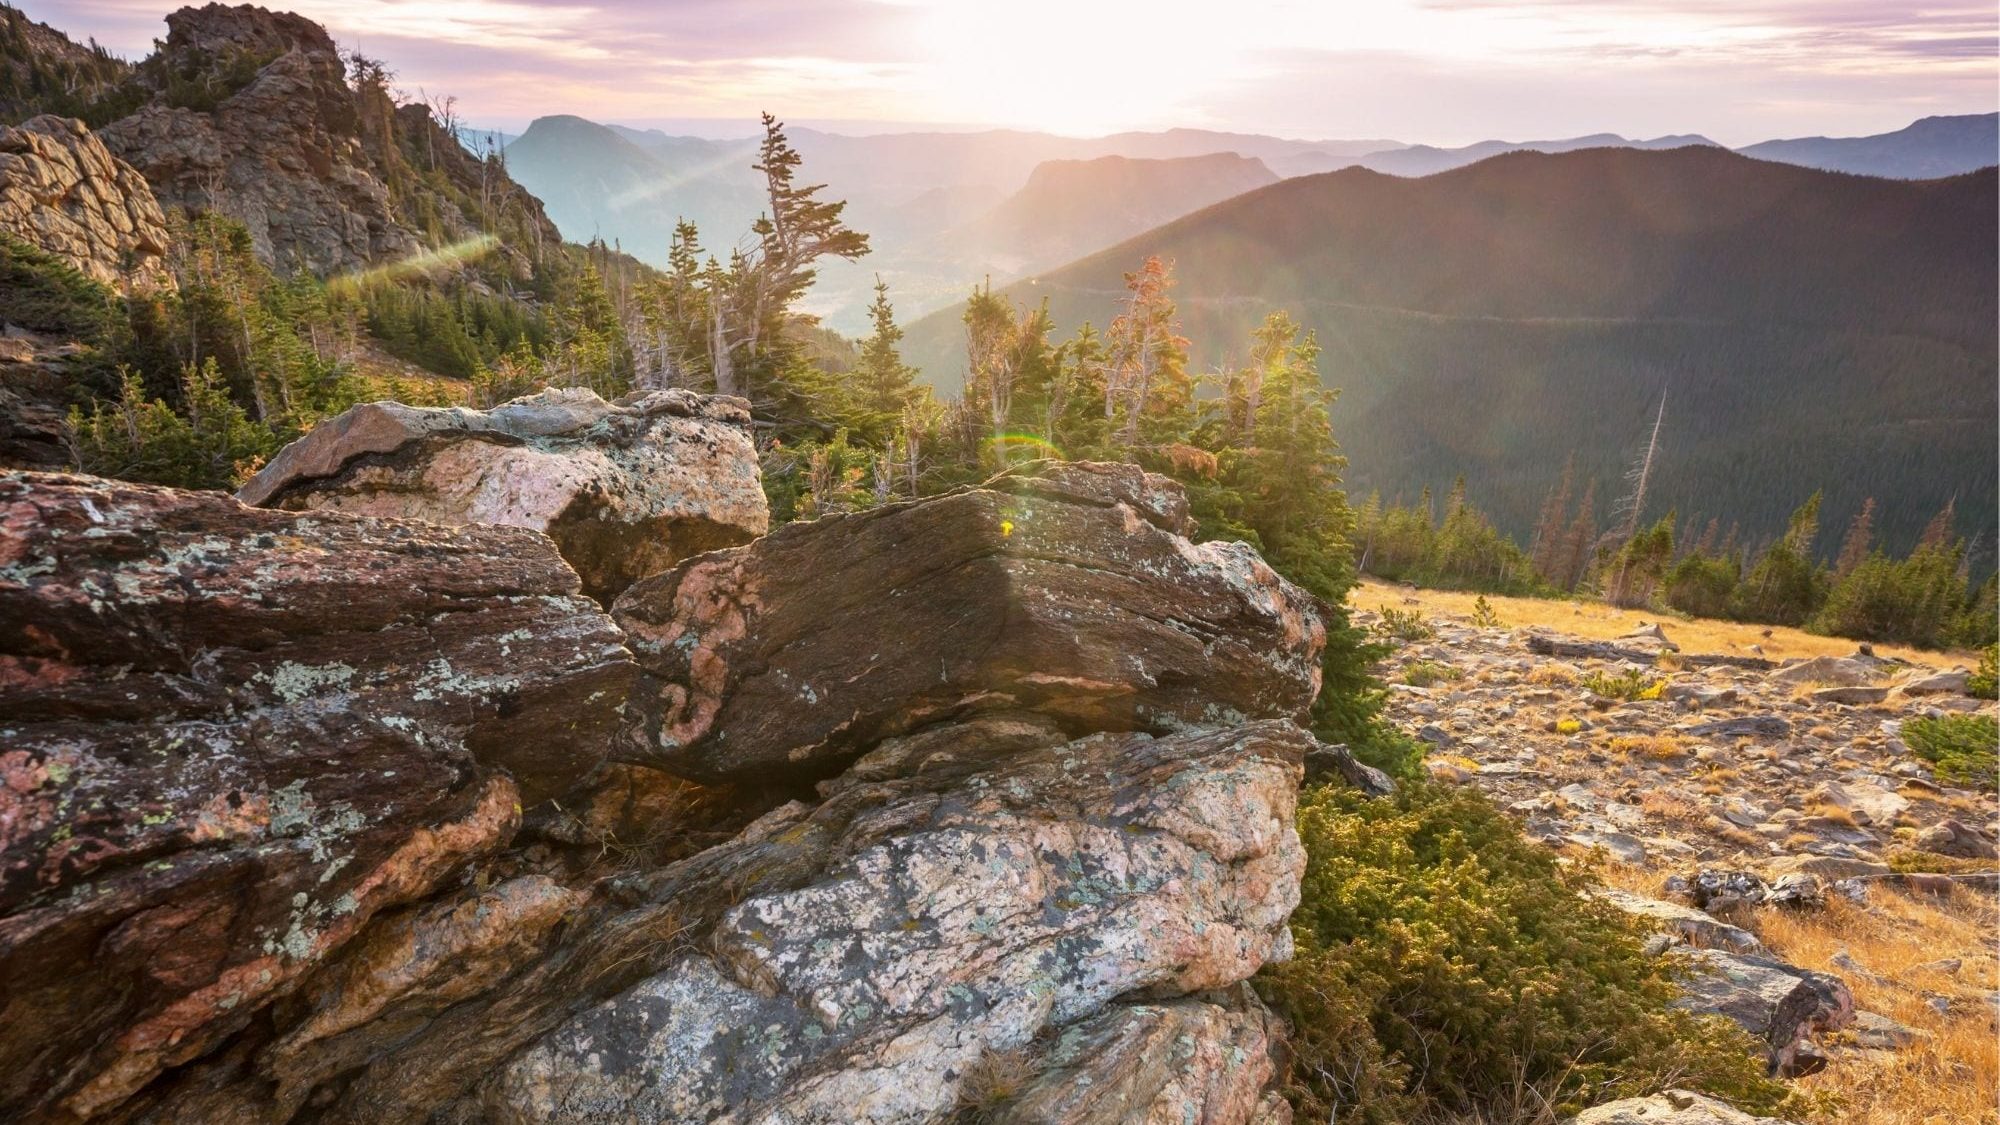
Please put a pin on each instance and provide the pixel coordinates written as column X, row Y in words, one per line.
column 1435, row 71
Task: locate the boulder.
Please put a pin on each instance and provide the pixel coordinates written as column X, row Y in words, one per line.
column 842, row 962
column 1831, row 671
column 1936, row 683
column 62, row 192
column 1068, row 590
column 1688, row 924
column 1674, row 1107
column 1780, row 1004
column 1956, row 838
column 625, row 489
column 231, row 736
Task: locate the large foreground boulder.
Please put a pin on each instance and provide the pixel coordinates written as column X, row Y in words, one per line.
column 625, row 489
column 1069, row 590
column 890, row 939
column 229, row 737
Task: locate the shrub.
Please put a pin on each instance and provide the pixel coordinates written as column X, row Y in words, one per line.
column 1424, row 673
column 1404, row 625
column 1568, row 726
column 1446, row 964
column 1981, row 684
column 1627, row 685
column 210, row 443
column 1483, row 615
column 1961, row 747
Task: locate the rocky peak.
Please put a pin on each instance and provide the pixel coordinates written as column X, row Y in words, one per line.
column 217, row 30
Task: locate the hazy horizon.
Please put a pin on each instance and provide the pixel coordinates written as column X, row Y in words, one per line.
column 1439, row 72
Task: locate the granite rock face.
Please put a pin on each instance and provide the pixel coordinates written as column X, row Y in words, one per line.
column 1068, row 590
column 626, row 489
column 869, row 981
column 229, row 737
column 63, row 192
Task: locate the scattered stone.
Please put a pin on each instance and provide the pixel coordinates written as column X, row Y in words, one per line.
column 1771, row 726
column 1780, row 1004
column 626, row 489
column 1936, row 683
column 1693, row 926
column 1880, row 1033
column 1852, row 695
column 1955, row 838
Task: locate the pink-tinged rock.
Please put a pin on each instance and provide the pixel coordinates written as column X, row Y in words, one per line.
column 626, row 489
column 230, row 736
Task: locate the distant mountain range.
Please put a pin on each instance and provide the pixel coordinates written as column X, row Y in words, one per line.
column 1424, row 160
column 947, row 209
column 1928, row 148
column 1070, row 207
column 1808, row 329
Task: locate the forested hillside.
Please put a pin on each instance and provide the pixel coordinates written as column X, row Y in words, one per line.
column 1928, row 147
column 1809, row 330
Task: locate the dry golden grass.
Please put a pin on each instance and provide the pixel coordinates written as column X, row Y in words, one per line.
column 1598, row 621
column 1658, row 747
column 1945, row 1080
column 1951, row 1078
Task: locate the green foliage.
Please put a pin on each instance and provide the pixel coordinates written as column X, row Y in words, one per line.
column 1464, row 552
column 1627, row 685
column 42, row 72
column 1961, row 747
column 1483, row 615
column 1701, row 585
column 44, row 293
column 209, row 443
column 1424, row 673
column 1981, row 684
column 1446, row 964
column 1404, row 625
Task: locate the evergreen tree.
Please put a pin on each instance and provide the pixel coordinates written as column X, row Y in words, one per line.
column 883, row 383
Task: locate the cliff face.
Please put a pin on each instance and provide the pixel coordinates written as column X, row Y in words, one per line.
column 351, row 821
column 63, row 192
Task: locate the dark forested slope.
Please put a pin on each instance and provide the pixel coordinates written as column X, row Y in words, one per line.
column 1810, row 329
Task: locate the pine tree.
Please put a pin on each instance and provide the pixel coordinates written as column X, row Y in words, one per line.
column 883, row 384
column 1547, row 543
column 1855, row 544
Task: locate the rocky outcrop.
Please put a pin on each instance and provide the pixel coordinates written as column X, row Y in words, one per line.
column 1780, row 1004
column 233, row 737
column 866, row 979
column 625, row 489
column 1069, row 590
column 62, row 192
column 1675, row 1107
column 278, row 779
column 283, row 154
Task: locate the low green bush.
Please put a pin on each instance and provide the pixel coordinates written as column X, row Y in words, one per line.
column 1982, row 684
column 1424, row 673
column 1960, row 747
column 1404, row 625
column 1446, row 964
column 1627, row 685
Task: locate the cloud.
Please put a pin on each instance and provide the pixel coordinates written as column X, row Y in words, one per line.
column 1444, row 71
